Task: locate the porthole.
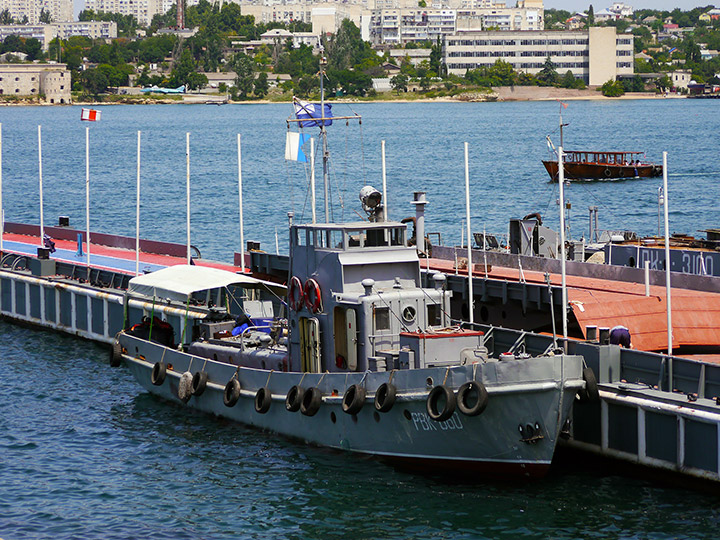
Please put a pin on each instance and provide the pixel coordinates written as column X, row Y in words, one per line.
column 409, row 314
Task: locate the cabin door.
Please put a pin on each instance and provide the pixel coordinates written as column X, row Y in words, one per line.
column 310, row 345
column 345, row 330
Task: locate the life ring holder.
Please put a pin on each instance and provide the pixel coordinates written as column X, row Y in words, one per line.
column 296, row 296
column 312, row 288
column 607, row 172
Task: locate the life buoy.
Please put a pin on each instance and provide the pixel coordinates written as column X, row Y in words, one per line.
column 231, row 393
column 353, row 399
column 263, row 400
column 295, row 294
column 433, row 399
column 385, row 397
column 311, row 293
column 590, row 392
column 311, row 401
column 472, row 398
column 199, row 382
column 115, row 354
column 157, row 377
column 608, row 172
column 293, row 400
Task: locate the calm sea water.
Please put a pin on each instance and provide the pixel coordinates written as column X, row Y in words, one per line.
column 86, row 453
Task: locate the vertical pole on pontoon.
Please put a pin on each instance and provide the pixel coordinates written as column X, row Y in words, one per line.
column 87, row 198
column 42, row 223
column 187, row 191
column 323, row 134
column 667, row 272
column 485, row 251
column 2, row 212
column 469, row 242
column 137, row 211
column 312, row 179
column 561, row 183
column 386, row 211
column 240, row 199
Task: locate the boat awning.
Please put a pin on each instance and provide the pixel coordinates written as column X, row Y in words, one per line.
column 177, row 282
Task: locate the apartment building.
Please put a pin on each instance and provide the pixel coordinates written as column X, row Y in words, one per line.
column 142, row 10
column 45, row 33
column 400, row 26
column 59, row 10
column 23, row 80
column 595, row 55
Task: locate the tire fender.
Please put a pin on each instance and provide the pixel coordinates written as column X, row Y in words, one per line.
column 263, row 400
column 185, row 387
column 433, row 399
column 199, row 382
column 293, row 400
column 231, row 393
column 159, row 371
column 353, row 399
column 385, row 397
column 472, row 398
column 311, row 401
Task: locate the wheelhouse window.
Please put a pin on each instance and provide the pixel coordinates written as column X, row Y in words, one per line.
column 382, row 318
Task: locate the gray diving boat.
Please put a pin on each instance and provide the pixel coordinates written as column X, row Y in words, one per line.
column 359, row 357
column 362, row 358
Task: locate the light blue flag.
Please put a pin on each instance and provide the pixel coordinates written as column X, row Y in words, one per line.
column 293, row 146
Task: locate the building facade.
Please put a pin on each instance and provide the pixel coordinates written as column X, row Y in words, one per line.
column 142, row 10
column 400, row 26
column 595, row 55
column 30, row 80
column 59, row 10
column 45, row 33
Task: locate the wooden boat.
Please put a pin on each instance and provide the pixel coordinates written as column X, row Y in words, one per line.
column 581, row 165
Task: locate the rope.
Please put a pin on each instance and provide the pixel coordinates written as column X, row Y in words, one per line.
column 447, row 372
column 392, row 374
column 268, row 379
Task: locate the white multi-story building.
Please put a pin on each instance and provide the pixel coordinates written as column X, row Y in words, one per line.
column 59, row 10
column 595, row 55
column 399, row 26
column 324, row 17
column 45, row 33
column 142, row 10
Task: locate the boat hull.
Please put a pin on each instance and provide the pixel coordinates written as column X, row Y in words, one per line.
column 602, row 171
column 537, row 392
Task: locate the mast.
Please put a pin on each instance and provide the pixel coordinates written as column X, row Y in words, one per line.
column 323, row 136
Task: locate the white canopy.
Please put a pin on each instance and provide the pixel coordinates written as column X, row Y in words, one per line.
column 178, row 282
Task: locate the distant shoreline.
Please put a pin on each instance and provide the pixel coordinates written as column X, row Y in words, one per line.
column 499, row 94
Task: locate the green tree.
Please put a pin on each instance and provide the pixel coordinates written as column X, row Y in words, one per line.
column 182, row 71
column 261, row 85
column 93, row 81
column 6, row 17
column 33, row 48
column 570, row 81
column 244, row 69
column 591, row 16
column 663, row 84
column 436, row 57
column 45, row 17
column 399, row 83
column 548, row 75
column 612, row 88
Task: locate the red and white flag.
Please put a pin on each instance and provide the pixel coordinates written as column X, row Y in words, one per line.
column 91, row 115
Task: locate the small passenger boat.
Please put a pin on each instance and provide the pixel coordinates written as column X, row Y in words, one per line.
column 588, row 165
column 585, row 165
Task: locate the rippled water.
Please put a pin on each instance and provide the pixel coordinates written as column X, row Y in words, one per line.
column 86, row 453
column 424, row 152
